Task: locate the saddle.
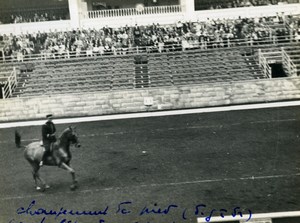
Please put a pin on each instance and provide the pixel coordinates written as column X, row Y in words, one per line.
column 51, row 146
column 49, row 156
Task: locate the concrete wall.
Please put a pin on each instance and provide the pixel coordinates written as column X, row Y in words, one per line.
column 48, row 26
column 168, row 98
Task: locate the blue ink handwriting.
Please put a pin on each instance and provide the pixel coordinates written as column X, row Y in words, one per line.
column 199, row 210
column 126, row 208
column 157, row 210
column 122, row 209
column 42, row 211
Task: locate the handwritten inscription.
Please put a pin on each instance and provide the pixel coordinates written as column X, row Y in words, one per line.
column 122, row 208
column 126, row 208
column 157, row 210
column 42, row 211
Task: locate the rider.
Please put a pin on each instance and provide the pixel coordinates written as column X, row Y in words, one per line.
column 48, row 135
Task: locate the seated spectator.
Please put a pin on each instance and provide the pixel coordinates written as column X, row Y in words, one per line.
column 101, row 49
column 297, row 36
column 89, row 51
column 153, row 38
column 20, row 56
column 31, row 15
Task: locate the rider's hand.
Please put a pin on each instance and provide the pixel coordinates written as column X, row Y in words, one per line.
column 50, row 135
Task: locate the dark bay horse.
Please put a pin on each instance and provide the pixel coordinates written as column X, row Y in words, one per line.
column 61, row 156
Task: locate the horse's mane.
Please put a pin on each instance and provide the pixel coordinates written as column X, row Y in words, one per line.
column 62, row 144
column 63, row 136
column 64, row 132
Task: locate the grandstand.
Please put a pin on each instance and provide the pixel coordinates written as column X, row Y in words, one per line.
column 213, row 51
column 163, row 69
column 169, row 68
column 149, row 56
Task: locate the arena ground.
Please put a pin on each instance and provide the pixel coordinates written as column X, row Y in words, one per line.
column 223, row 160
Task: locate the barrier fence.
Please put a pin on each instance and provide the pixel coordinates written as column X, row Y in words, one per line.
column 263, row 64
column 288, row 64
column 266, row 58
column 161, row 47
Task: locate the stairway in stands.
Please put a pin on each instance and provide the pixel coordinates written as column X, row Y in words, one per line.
column 142, row 79
column 23, row 69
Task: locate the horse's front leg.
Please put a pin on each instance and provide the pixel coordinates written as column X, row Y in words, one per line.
column 68, row 168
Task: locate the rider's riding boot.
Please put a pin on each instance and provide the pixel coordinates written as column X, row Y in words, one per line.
column 43, row 158
column 45, row 155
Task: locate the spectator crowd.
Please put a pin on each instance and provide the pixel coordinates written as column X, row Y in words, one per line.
column 152, row 38
column 28, row 16
column 49, row 14
column 220, row 4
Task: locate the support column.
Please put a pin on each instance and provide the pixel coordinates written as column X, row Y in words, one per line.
column 188, row 8
column 183, row 5
column 74, row 8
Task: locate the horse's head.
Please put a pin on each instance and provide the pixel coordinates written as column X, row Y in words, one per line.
column 73, row 137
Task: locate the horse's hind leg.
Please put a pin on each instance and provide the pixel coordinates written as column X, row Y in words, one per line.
column 68, row 168
column 36, row 177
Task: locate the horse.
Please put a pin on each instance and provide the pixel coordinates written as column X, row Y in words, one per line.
column 61, row 156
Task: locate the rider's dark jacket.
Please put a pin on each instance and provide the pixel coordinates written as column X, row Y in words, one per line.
column 47, row 130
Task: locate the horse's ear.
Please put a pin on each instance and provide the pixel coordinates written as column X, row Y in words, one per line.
column 72, row 128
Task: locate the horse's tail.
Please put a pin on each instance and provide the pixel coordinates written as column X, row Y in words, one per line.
column 17, row 139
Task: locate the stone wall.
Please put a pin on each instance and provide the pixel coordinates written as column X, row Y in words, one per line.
column 167, row 98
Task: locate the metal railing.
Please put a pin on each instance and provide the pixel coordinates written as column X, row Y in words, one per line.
column 288, row 64
column 263, row 64
column 167, row 47
column 273, row 56
column 289, row 28
column 134, row 11
column 10, row 85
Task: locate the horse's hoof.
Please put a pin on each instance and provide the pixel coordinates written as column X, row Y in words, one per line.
column 73, row 187
column 46, row 186
column 41, row 189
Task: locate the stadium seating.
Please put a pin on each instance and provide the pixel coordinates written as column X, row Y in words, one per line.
column 147, row 68
column 106, row 73
column 118, row 72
